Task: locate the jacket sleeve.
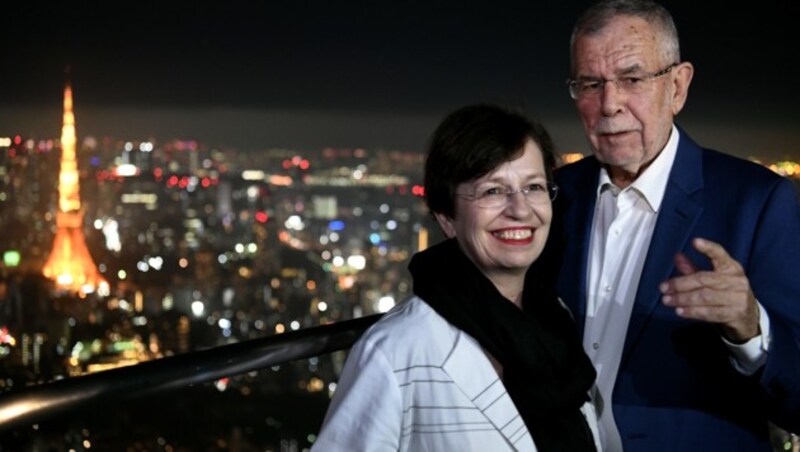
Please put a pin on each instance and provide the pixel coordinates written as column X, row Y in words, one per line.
column 774, row 276
column 366, row 411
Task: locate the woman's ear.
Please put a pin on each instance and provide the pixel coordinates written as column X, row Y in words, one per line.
column 446, row 223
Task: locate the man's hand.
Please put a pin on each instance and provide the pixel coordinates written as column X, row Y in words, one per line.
column 721, row 296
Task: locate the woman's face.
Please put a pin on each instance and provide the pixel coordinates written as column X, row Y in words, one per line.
column 507, row 238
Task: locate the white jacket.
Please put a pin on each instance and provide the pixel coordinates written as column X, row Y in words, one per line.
column 414, row 382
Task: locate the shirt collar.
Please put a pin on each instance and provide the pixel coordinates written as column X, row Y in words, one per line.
column 652, row 183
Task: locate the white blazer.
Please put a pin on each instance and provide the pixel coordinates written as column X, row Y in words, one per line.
column 414, row 382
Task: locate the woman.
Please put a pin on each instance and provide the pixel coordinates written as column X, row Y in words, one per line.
column 479, row 359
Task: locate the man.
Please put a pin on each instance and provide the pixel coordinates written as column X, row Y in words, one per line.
column 687, row 260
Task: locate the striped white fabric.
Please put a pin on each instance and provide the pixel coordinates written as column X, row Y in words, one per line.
column 413, row 382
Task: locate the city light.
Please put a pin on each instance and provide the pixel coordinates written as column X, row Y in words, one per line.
column 385, row 303
column 11, row 258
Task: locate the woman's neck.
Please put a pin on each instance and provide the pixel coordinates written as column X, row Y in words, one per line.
column 509, row 285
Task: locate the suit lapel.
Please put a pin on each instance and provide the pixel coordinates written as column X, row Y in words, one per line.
column 679, row 213
column 579, row 207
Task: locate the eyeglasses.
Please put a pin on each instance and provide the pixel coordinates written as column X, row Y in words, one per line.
column 496, row 197
column 585, row 88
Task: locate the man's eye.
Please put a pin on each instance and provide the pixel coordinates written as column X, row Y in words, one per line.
column 630, row 81
column 536, row 187
column 590, row 85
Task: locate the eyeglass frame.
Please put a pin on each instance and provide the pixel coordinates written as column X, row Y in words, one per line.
column 573, row 85
column 552, row 193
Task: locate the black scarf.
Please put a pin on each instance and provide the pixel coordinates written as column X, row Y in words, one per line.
column 545, row 370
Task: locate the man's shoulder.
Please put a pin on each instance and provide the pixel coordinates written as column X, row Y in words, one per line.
column 733, row 169
column 724, row 164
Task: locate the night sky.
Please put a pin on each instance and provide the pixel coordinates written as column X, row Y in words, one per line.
column 310, row 74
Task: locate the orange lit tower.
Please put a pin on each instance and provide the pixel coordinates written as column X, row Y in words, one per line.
column 70, row 265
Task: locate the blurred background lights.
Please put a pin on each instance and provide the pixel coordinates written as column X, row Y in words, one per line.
column 198, row 308
column 356, row 261
column 385, row 303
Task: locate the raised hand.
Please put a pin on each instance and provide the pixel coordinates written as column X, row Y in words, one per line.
column 721, row 296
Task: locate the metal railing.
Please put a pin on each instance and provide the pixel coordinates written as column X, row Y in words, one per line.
column 43, row 402
column 35, row 404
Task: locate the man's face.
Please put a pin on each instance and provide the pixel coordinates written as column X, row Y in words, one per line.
column 628, row 121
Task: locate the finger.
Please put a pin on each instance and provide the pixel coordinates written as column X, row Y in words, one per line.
column 691, row 278
column 706, row 313
column 720, row 259
column 724, row 292
column 683, row 285
column 701, row 288
column 739, row 318
column 684, row 265
column 702, row 285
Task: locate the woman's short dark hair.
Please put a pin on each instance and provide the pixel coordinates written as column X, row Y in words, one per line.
column 471, row 142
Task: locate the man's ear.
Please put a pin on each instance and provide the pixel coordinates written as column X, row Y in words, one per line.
column 446, row 223
column 682, row 80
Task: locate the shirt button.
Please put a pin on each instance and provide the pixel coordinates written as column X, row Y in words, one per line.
column 608, row 288
column 595, row 346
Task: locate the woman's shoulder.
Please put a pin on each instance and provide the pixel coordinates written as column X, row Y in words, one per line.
column 407, row 320
column 411, row 328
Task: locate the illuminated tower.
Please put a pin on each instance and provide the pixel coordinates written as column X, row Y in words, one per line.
column 70, row 265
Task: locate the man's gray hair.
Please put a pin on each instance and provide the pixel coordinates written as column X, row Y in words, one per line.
column 597, row 17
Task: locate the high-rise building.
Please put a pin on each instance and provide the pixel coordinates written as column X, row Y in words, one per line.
column 70, row 264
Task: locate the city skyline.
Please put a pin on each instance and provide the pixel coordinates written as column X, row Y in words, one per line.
column 256, row 76
column 205, row 247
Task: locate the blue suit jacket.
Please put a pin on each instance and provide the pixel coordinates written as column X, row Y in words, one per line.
column 676, row 388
